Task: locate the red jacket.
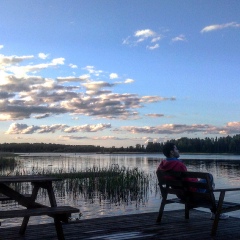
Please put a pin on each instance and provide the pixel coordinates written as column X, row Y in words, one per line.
column 178, row 166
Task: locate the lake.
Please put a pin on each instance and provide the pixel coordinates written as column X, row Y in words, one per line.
column 225, row 169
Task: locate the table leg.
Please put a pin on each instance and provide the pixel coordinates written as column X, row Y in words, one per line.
column 57, row 219
column 51, row 195
column 26, row 219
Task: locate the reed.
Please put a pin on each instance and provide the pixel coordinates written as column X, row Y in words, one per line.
column 7, row 163
column 114, row 184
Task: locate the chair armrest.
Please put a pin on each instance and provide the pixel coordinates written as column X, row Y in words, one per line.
column 226, row 189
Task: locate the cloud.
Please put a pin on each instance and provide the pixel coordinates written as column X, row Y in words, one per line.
column 220, row 26
column 93, row 71
column 146, row 33
column 113, row 76
column 109, row 138
column 154, row 115
column 8, row 60
column 17, row 128
column 88, row 128
column 153, row 47
column 1, row 46
column 6, row 95
column 97, row 85
column 70, row 137
column 110, row 105
column 181, row 37
column 129, row 80
column 19, row 110
column 10, row 64
column 25, row 94
column 156, row 39
column 43, row 55
column 151, row 99
column 42, row 116
column 147, row 36
column 230, row 128
column 73, row 78
column 73, row 65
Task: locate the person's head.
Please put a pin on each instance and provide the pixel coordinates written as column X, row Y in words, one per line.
column 170, row 150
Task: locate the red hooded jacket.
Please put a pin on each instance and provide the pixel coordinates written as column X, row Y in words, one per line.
column 178, row 166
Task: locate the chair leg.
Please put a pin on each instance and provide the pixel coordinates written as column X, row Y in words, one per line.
column 59, row 229
column 159, row 218
column 215, row 224
column 186, row 211
column 217, row 214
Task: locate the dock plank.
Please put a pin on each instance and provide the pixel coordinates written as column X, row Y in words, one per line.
column 136, row 226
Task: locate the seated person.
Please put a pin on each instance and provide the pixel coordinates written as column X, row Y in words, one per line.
column 173, row 163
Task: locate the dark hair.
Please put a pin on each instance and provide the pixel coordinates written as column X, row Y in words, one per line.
column 167, row 148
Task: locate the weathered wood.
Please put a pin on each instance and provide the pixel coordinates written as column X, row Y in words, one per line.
column 33, row 208
column 180, row 184
column 38, row 211
column 5, row 198
column 27, row 178
column 135, row 226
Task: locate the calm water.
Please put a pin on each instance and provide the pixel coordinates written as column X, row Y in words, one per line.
column 225, row 169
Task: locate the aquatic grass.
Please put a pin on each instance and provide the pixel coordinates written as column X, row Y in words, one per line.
column 114, row 184
column 7, row 163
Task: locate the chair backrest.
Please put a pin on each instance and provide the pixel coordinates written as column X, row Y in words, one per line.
column 186, row 185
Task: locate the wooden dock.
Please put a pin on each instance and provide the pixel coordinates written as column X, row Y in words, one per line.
column 136, row 226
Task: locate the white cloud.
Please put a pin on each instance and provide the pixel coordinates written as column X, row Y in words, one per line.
column 153, row 47
column 43, row 55
column 73, row 78
column 129, row 80
column 1, row 46
column 151, row 99
column 108, row 138
column 156, row 39
column 113, row 76
column 147, row 36
column 12, row 60
column 145, row 33
column 40, row 116
column 220, row 26
column 230, row 128
column 58, row 61
column 154, row 115
column 24, row 94
column 88, row 128
column 126, row 41
column 97, row 85
column 71, row 137
column 73, row 65
column 17, row 128
column 181, row 37
column 93, row 71
column 10, row 64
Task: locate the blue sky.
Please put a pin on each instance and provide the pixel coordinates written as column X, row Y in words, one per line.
column 118, row 73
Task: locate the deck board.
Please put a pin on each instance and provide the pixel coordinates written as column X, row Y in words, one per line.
column 137, row 226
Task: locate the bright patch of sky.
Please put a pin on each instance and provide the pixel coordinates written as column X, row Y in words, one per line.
column 118, row 73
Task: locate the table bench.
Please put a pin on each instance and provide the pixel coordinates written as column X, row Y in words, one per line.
column 5, row 198
column 178, row 184
column 33, row 208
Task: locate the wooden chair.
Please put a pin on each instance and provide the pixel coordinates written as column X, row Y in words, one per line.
column 177, row 183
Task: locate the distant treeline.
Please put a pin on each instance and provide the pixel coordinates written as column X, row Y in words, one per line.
column 189, row 145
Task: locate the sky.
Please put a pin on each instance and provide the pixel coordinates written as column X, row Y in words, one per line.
column 118, row 72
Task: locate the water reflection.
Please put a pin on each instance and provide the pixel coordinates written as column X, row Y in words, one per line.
column 225, row 169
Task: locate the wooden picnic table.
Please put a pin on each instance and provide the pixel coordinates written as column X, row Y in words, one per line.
column 33, row 208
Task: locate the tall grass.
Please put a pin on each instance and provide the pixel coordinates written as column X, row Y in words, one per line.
column 7, row 163
column 114, row 184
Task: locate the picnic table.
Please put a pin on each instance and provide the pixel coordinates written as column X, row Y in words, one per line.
column 33, row 208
